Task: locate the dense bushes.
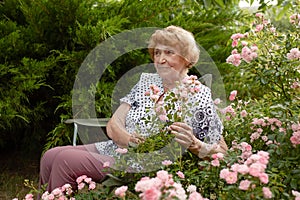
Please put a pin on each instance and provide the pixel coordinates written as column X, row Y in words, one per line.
column 43, row 44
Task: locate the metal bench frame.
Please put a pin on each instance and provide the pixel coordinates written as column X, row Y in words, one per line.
column 91, row 122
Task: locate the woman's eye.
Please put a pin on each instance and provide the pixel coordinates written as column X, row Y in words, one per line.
column 156, row 52
column 170, row 52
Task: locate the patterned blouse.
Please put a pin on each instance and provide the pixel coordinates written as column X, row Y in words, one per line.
column 206, row 124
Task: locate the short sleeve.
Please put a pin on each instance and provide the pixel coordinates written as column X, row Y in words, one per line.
column 130, row 97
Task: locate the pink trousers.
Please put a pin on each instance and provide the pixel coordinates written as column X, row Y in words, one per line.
column 65, row 164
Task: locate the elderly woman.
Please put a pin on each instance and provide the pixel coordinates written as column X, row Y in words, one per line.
column 174, row 51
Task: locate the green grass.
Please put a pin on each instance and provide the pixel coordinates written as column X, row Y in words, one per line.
column 14, row 170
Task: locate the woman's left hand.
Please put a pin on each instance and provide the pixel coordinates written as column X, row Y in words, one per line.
column 183, row 134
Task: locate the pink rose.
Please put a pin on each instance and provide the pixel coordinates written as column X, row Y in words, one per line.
column 195, row 196
column 167, row 162
column 256, row 169
column 81, row 186
column 234, row 43
column 29, row 197
column 243, row 169
column 231, row 177
column 293, row 54
column 121, row 191
column 192, row 188
column 180, row 174
column 215, row 163
column 80, row 179
column 232, row 95
column 224, row 173
column 151, row 194
column 244, row 113
column 87, row 180
column 264, row 178
column 244, row 185
column 267, row 192
column 259, row 15
column 296, row 194
column 259, row 27
column 92, row 185
column 163, row 118
column 162, row 175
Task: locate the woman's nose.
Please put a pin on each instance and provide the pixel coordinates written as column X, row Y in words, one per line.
column 162, row 58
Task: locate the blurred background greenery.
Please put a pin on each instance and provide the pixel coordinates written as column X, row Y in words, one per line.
column 43, row 43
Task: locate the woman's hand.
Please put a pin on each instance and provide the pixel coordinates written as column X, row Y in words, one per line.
column 183, row 134
column 135, row 140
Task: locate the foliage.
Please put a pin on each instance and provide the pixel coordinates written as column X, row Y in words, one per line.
column 46, row 42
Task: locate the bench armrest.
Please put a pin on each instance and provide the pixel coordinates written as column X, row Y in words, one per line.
column 91, row 122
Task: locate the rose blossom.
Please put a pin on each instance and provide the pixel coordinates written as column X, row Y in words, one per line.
column 81, row 186
column 195, row 196
column 191, row 188
column 234, row 59
column 92, row 185
column 264, row 178
column 293, row 54
column 259, row 27
column 167, row 162
column 244, row 185
column 151, row 194
column 243, row 113
column 296, row 194
column 121, row 191
column 180, row 174
column 232, row 95
column 224, row 173
column 267, row 192
column 231, row 177
column 80, row 179
column 256, row 169
column 29, row 197
column 215, row 163
column 243, row 169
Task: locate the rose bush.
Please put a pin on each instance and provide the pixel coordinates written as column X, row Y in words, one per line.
column 263, row 132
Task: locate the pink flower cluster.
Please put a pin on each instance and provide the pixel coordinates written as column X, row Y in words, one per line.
column 295, row 19
column 294, row 54
column 247, row 54
column 229, row 112
column 163, row 186
column 295, row 139
column 250, row 164
column 189, row 86
column 265, row 122
column 60, row 193
column 84, row 180
column 65, row 192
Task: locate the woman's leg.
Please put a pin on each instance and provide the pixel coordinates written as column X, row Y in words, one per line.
column 62, row 165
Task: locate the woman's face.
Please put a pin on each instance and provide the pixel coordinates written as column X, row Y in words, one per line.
column 168, row 60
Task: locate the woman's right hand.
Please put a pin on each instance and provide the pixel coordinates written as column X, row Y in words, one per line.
column 135, row 139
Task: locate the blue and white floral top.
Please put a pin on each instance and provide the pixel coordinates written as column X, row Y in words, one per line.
column 206, row 124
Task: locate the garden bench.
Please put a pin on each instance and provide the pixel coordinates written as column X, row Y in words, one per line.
column 91, row 122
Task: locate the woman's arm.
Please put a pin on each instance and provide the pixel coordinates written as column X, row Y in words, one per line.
column 116, row 126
